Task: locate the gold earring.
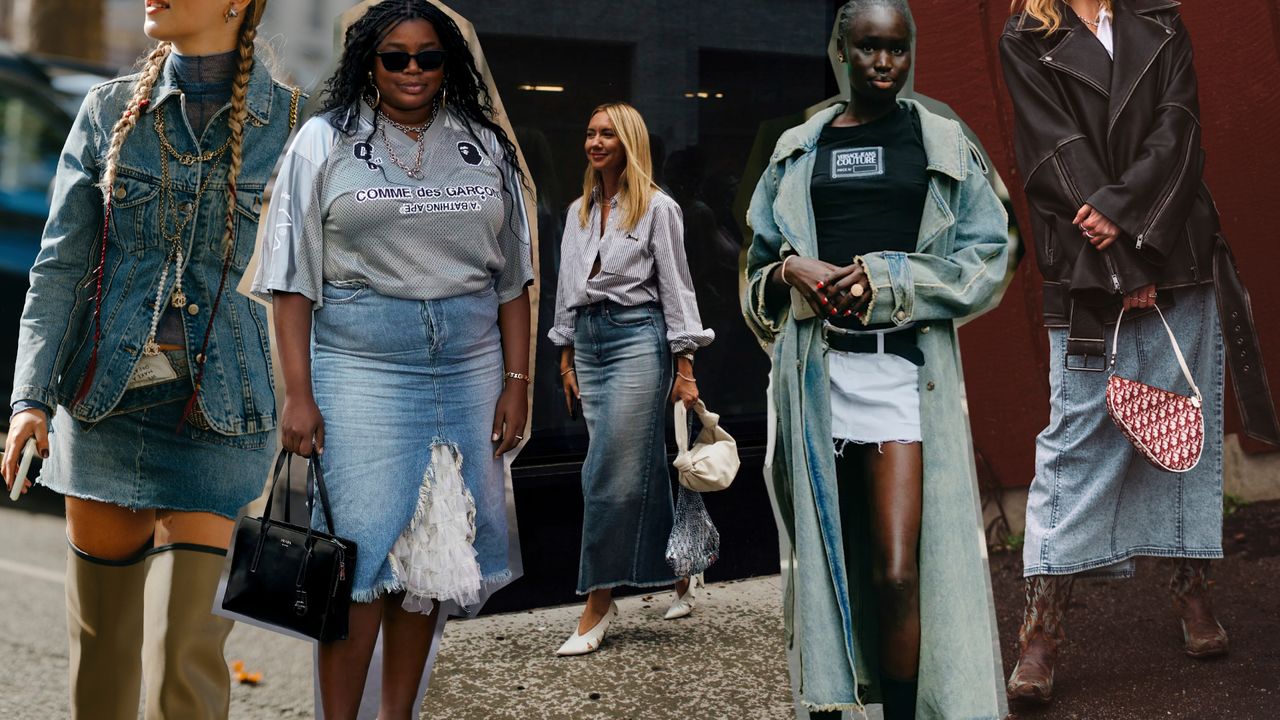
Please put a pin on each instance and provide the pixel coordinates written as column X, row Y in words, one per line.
column 377, row 94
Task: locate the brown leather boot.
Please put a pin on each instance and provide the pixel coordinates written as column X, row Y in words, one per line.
column 1041, row 634
column 1202, row 635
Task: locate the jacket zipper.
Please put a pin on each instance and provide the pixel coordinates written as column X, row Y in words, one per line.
column 1164, row 201
column 1074, row 192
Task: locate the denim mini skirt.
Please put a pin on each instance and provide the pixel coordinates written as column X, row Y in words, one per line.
column 1095, row 502
column 407, row 389
column 136, row 457
column 623, row 364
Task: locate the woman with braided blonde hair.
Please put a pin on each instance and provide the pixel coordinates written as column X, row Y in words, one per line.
column 144, row 378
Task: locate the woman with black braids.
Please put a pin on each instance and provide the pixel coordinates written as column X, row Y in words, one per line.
column 398, row 268
column 157, row 369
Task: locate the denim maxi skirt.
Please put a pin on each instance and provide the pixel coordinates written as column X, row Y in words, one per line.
column 137, row 459
column 407, row 389
column 1096, row 503
column 624, row 374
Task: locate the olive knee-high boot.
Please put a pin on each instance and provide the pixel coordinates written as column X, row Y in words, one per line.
column 104, row 626
column 184, row 668
column 1202, row 635
column 1041, row 634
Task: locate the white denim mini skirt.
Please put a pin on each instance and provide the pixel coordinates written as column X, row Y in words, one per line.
column 875, row 398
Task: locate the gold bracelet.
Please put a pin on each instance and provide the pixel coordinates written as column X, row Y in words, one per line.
column 682, row 376
column 566, row 372
column 518, row 376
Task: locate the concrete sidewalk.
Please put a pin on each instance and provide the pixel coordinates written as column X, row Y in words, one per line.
column 727, row 660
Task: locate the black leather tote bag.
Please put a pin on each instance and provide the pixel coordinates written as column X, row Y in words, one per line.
column 292, row 576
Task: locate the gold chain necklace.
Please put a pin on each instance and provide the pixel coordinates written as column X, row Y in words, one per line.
column 176, row 258
column 416, row 171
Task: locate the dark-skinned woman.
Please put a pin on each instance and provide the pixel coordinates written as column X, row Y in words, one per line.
column 625, row 307
column 1108, row 142
column 887, row 595
column 401, row 250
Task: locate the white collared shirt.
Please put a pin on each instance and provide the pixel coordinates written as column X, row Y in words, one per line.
column 1104, row 31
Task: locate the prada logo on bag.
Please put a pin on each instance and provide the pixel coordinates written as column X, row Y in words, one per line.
column 857, row 162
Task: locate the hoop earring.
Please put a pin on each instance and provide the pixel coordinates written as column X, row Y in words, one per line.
column 444, row 96
column 377, row 94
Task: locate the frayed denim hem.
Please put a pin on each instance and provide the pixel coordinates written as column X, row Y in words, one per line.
column 629, row 583
column 135, row 507
column 377, row 592
column 856, row 707
column 500, row 578
column 1045, row 569
column 488, row 583
column 841, row 444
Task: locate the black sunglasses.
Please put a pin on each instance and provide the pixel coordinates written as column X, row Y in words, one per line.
column 398, row 60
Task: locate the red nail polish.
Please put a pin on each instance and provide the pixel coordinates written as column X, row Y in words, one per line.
column 833, row 311
column 847, row 313
column 823, row 300
column 821, row 285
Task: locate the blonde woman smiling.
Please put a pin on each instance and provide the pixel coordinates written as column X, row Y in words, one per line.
column 625, row 306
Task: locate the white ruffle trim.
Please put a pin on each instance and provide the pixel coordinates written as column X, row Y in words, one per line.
column 434, row 559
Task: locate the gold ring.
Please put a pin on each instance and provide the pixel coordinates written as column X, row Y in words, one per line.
column 857, row 290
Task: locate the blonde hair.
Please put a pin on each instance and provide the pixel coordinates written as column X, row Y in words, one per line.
column 1046, row 12
column 152, row 65
column 637, row 187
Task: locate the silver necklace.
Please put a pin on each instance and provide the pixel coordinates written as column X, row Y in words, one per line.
column 414, row 172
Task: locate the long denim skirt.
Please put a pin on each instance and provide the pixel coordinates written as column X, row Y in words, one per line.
column 137, row 457
column 624, row 373
column 407, row 389
column 1096, row 503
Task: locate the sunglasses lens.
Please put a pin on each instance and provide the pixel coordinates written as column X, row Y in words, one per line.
column 397, row 61
column 430, row 59
column 394, row 61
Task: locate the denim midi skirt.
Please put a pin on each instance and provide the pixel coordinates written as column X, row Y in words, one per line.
column 623, row 364
column 407, row 389
column 1095, row 502
column 136, row 457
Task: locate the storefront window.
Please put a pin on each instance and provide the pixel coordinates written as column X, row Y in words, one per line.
column 707, row 80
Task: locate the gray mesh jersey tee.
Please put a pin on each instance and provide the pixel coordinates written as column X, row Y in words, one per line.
column 343, row 211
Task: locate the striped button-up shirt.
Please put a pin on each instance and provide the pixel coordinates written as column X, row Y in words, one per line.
column 644, row 264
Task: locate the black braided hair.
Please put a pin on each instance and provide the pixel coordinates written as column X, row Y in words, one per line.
column 854, row 8
column 463, row 86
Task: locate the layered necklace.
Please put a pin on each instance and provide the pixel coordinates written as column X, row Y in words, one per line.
column 172, row 215
column 414, row 172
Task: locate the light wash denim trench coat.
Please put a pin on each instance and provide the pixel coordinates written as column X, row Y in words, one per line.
column 959, row 269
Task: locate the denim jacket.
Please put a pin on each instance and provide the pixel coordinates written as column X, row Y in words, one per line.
column 56, row 335
column 959, row 269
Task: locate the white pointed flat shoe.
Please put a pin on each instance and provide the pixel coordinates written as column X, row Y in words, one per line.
column 589, row 642
column 682, row 606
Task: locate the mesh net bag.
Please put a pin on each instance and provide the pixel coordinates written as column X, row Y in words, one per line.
column 694, row 544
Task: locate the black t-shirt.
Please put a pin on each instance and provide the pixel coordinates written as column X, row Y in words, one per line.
column 868, row 188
